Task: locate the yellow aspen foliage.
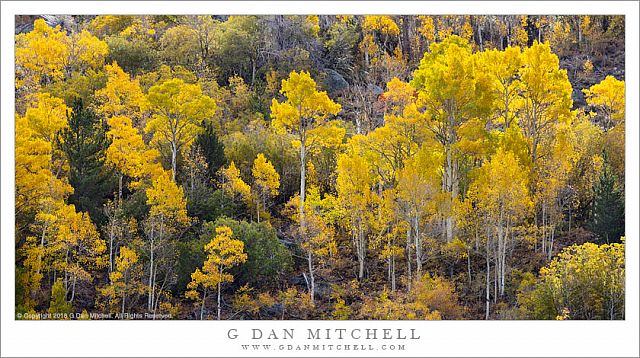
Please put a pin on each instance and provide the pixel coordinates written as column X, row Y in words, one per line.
column 384, row 24
column 353, row 185
column 128, row 153
column 608, row 97
column 166, row 199
column 305, row 107
column 47, row 117
column 466, row 32
column 87, row 50
column 398, row 95
column 177, row 111
column 111, row 24
column 122, row 281
column 30, row 280
column 501, row 188
column 267, row 181
column 545, row 98
column 76, row 249
column 501, row 68
column 427, row 28
column 234, row 185
column 519, row 36
column 41, row 54
column 38, row 166
column 267, row 178
column 304, row 114
column 121, row 96
column 453, row 91
column 587, row 68
column 223, row 253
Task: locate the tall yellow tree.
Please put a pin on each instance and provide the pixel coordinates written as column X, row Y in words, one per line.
column 168, row 210
column 267, row 181
column 304, row 114
column 452, row 92
column 177, row 109
column 77, row 249
column 544, row 109
column 234, row 185
column 128, row 153
column 545, row 98
column 123, row 280
column 501, row 196
column 353, row 184
column 223, row 252
column 608, row 97
column 41, row 186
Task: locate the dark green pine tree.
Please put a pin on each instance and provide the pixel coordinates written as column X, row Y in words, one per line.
column 212, row 150
column 608, row 206
column 85, row 142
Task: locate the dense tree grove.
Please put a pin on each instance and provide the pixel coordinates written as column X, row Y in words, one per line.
column 321, row 167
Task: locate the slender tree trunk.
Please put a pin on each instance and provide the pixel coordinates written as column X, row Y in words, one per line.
column 73, row 288
column 312, row 283
column 204, row 297
column 150, row 299
column 361, row 249
column 174, row 158
column 120, row 189
column 258, row 210
column 487, row 289
column 219, row 292
column 154, row 297
column 408, row 250
column 469, row 266
column 393, row 273
column 124, row 295
column 111, row 235
column 418, row 243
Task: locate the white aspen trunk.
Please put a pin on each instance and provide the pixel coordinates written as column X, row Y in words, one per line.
column 303, row 182
column 154, row 297
column 111, row 235
column 73, row 287
column 174, row 157
column 312, row 282
column 418, row 243
column 408, row 250
column 219, row 293
column 544, row 229
column 469, row 265
column 120, row 189
column 487, row 288
column 501, row 248
column 495, row 275
column 66, row 272
column 450, row 175
column 124, row 294
column 553, row 234
column 204, row 297
column 258, row 210
column 361, row 251
column 503, row 265
column 149, row 301
column 393, row 273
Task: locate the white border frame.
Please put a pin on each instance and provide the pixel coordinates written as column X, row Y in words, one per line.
column 448, row 338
